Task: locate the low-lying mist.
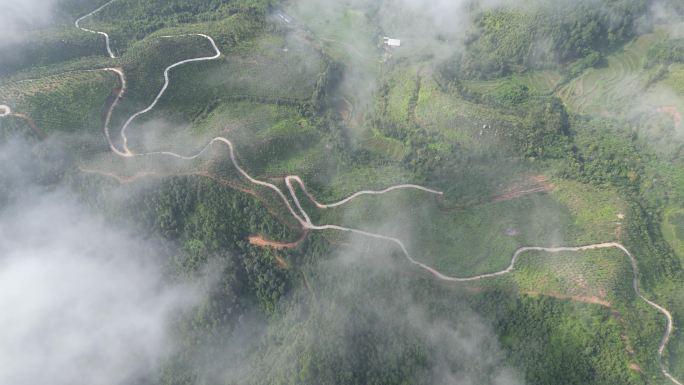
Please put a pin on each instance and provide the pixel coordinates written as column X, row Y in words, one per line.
column 362, row 318
column 83, row 301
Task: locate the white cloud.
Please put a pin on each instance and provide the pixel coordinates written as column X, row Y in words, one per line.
column 82, row 301
column 18, row 17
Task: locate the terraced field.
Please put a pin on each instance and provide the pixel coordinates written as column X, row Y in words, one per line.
column 538, row 82
column 611, row 90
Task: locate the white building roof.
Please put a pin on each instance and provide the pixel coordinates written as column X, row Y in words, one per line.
column 392, row 42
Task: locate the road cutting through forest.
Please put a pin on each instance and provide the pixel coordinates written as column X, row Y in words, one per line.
column 302, row 216
column 106, row 36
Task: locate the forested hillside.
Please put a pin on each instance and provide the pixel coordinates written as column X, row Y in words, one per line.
column 494, row 198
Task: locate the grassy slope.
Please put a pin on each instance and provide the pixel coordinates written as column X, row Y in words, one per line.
column 483, row 238
column 610, row 90
column 71, row 102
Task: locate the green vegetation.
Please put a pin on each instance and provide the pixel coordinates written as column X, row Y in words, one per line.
column 128, row 21
column 600, row 277
column 561, row 341
column 210, row 223
column 673, row 230
column 57, row 103
column 552, row 127
column 49, row 48
column 666, row 52
column 571, row 34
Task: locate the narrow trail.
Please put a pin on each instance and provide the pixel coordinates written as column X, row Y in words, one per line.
column 164, row 87
column 302, row 216
column 106, row 36
column 576, row 298
column 40, row 134
column 6, row 111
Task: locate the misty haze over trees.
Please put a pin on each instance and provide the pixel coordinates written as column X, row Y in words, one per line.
column 263, row 192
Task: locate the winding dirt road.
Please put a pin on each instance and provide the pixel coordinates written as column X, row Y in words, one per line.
column 6, row 111
column 302, row 216
column 130, row 120
column 106, row 36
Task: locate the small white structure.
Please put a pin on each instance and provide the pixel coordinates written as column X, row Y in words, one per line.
column 391, row 42
column 284, row 17
column 4, row 110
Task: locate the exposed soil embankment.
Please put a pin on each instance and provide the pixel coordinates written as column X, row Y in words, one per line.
column 577, row 298
column 535, row 184
column 258, row 240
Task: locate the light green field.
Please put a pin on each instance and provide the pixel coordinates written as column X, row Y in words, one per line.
column 207, row 95
column 673, row 230
column 538, row 82
column 385, row 147
column 403, row 84
column 353, row 179
column 598, row 276
column 457, row 119
column 599, row 212
column 482, row 238
column 675, row 78
column 611, row 90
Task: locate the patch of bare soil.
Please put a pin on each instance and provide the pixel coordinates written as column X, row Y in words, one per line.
column 258, row 240
column 534, row 184
column 673, row 112
column 577, row 298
